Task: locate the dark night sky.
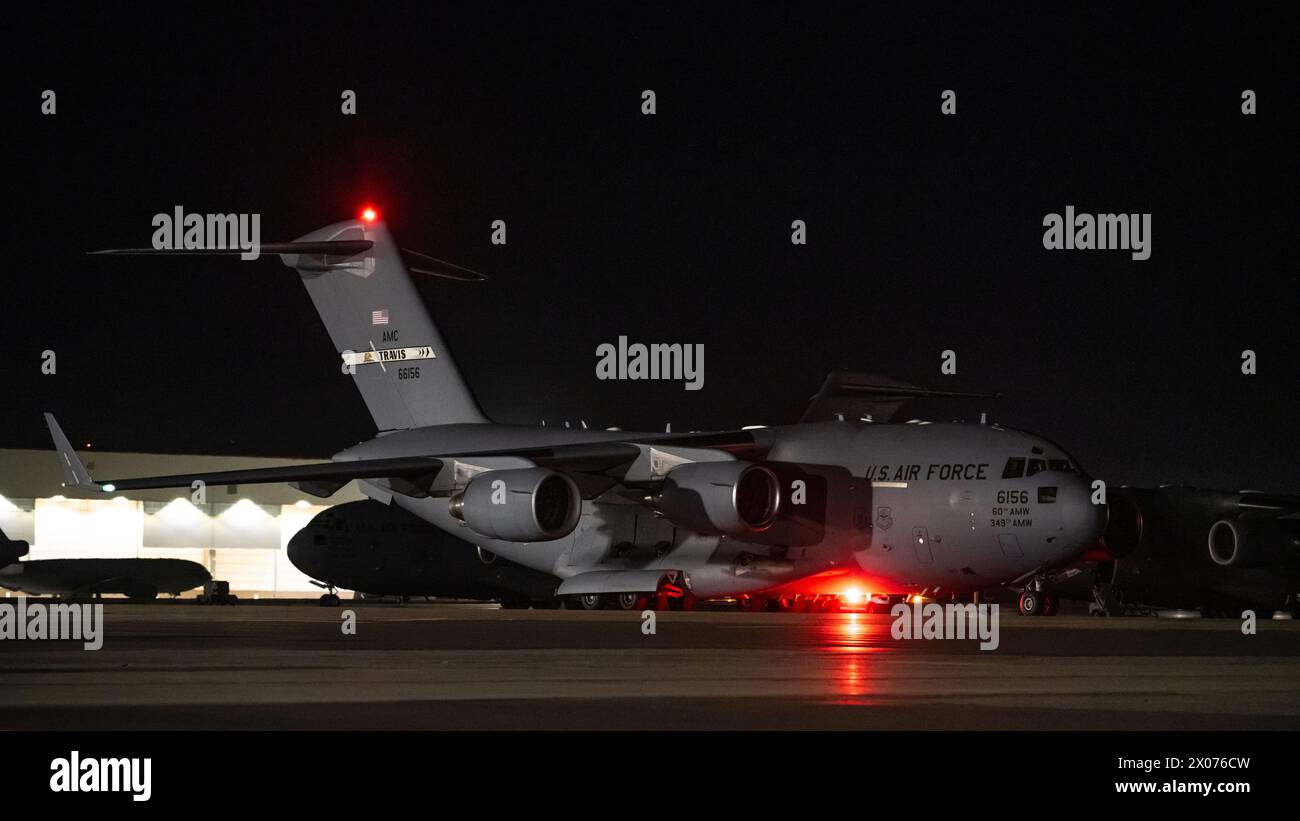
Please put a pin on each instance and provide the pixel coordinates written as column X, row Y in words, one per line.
column 924, row 231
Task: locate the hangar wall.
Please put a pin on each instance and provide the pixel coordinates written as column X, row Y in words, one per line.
column 239, row 533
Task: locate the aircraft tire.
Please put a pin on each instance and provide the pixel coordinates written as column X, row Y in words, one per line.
column 1031, row 603
column 1051, row 605
column 629, row 601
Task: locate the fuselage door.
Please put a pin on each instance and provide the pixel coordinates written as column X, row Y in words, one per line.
column 921, row 542
column 1010, row 545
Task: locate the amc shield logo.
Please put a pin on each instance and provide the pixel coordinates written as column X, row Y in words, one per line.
column 884, row 520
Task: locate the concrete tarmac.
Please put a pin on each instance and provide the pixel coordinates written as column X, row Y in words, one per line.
column 176, row 665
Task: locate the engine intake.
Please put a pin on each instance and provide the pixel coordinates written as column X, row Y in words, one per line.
column 524, row 505
column 737, row 499
column 1123, row 533
column 1249, row 543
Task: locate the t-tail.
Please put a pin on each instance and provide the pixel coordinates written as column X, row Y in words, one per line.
column 361, row 286
column 382, row 330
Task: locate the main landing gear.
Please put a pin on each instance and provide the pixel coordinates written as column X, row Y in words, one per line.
column 629, row 601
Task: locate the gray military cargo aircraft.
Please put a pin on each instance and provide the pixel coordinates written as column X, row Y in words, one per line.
column 1190, row 548
column 895, row 508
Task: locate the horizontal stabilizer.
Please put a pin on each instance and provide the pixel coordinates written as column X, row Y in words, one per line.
column 418, row 263
column 335, row 248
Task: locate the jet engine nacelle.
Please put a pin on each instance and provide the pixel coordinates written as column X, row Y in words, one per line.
column 1250, row 543
column 1123, row 533
column 738, row 499
column 519, row 505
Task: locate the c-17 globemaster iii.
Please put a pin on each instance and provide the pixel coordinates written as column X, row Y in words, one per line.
column 618, row 517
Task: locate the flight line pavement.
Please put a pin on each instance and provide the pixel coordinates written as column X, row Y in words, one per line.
column 176, row 665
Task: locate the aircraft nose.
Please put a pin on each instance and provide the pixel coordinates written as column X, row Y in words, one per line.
column 300, row 552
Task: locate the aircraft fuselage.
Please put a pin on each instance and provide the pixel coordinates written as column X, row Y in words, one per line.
column 910, row 506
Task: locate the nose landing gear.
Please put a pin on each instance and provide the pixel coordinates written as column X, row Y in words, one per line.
column 331, row 596
column 1036, row 600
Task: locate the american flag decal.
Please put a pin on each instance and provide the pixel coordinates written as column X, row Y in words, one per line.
column 379, row 317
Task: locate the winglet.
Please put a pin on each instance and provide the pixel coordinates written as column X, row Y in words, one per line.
column 74, row 473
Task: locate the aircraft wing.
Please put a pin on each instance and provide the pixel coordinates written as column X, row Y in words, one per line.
column 1280, row 505
column 324, row 478
column 328, row 472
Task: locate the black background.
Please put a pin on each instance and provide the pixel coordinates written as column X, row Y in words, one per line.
column 925, row 232
column 699, row 773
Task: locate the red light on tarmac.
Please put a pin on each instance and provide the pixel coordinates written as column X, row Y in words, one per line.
column 369, row 214
column 853, row 596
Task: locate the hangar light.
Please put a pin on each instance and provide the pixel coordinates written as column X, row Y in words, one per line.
column 244, row 511
column 179, row 508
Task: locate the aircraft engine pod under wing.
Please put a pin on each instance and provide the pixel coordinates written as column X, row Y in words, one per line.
column 915, row 507
column 738, row 499
column 527, row 505
column 1254, row 543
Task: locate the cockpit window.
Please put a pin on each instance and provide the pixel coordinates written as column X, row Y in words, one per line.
column 1015, row 468
column 1036, row 466
column 1062, row 465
